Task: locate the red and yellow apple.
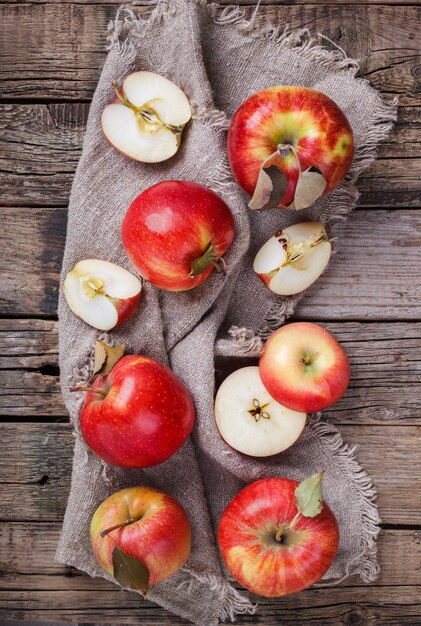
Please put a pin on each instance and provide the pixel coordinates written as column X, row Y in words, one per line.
column 140, row 536
column 101, row 293
column 271, row 546
column 293, row 129
column 176, row 232
column 146, row 118
column 303, row 367
column 138, row 415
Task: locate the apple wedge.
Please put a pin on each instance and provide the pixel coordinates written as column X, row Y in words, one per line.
column 147, row 117
column 102, row 294
column 250, row 420
column 294, row 258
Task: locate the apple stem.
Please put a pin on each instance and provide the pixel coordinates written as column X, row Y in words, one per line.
column 287, row 146
column 199, row 265
column 279, row 534
column 105, row 532
column 99, row 391
column 295, row 520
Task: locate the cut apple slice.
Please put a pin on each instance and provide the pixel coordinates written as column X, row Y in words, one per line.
column 101, row 293
column 147, row 118
column 250, row 420
column 293, row 259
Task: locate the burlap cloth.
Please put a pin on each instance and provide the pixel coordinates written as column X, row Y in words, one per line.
column 219, row 56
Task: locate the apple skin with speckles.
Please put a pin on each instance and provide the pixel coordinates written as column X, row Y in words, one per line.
column 303, row 118
column 138, row 415
column 263, row 563
column 173, row 224
column 158, row 535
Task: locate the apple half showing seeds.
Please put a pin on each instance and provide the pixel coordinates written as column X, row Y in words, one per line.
column 147, row 117
column 140, row 536
column 250, row 420
column 101, row 293
column 294, row 258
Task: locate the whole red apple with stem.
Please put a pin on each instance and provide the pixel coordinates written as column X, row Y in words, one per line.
column 277, row 536
column 140, row 536
column 304, row 367
column 176, row 232
column 297, row 136
column 136, row 415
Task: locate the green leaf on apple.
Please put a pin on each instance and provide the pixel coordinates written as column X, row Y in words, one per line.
column 270, row 188
column 309, row 495
column 130, row 572
column 106, row 357
column 310, row 186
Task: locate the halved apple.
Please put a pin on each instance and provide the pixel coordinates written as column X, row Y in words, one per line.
column 293, row 259
column 250, row 420
column 101, row 293
column 147, row 117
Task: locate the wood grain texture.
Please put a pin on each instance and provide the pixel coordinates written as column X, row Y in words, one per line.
column 56, row 50
column 346, row 606
column 385, row 386
column 380, row 256
column 27, row 563
column 42, row 143
column 41, row 456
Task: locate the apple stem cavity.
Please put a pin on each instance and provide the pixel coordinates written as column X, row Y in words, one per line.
column 107, row 531
column 147, row 118
column 98, row 391
column 209, row 257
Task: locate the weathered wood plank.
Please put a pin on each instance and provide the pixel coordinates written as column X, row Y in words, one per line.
column 55, row 50
column 385, row 384
column 41, row 145
column 380, row 256
column 27, row 553
column 28, row 344
column 40, row 455
column 380, row 606
column 27, row 563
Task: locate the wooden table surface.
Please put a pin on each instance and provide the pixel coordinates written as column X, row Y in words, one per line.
column 370, row 298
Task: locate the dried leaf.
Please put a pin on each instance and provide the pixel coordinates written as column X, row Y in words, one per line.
column 270, row 188
column 130, row 572
column 100, row 356
column 309, row 495
column 106, row 357
column 310, row 186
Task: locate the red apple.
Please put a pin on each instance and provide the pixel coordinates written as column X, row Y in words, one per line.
column 101, row 293
column 303, row 367
column 140, row 536
column 138, row 415
column 175, row 233
column 292, row 129
column 272, row 543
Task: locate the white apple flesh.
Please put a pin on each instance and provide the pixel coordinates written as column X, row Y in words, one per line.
column 101, row 293
column 294, row 258
column 250, row 420
column 146, row 120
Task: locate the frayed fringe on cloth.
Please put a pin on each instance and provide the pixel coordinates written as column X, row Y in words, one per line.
column 365, row 564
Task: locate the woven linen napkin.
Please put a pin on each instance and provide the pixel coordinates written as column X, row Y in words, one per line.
column 218, row 56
